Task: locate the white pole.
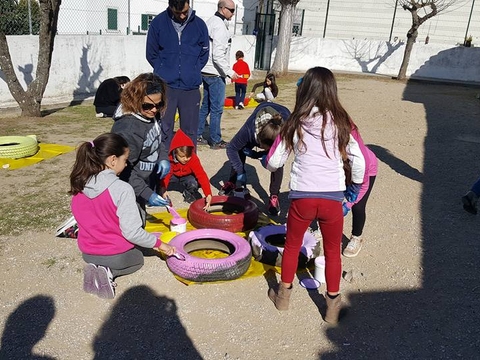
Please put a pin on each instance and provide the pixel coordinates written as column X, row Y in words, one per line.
column 30, row 17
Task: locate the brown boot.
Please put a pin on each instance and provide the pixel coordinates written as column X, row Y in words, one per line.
column 280, row 295
column 333, row 309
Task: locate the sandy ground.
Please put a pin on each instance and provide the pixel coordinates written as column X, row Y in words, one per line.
column 415, row 289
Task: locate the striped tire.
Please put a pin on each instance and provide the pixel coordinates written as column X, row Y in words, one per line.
column 16, row 147
column 206, row 270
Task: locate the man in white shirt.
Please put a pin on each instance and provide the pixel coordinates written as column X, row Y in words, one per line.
column 214, row 74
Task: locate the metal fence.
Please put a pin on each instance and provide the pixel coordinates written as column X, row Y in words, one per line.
column 334, row 19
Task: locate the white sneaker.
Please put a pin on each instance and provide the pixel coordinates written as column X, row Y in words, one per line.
column 354, row 246
column 241, row 106
column 99, row 115
column 106, row 286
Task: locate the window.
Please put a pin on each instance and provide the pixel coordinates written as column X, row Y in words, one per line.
column 112, row 19
column 146, row 20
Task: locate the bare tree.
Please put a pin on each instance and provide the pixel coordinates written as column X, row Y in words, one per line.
column 430, row 8
column 282, row 55
column 30, row 100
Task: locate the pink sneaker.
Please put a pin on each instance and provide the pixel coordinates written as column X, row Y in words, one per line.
column 274, row 205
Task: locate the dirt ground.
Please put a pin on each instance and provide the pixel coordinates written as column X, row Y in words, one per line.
column 414, row 292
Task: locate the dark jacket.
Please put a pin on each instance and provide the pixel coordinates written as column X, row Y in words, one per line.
column 108, row 93
column 246, row 136
column 146, row 150
column 178, row 62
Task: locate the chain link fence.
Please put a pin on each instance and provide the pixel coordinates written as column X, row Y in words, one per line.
column 335, row 19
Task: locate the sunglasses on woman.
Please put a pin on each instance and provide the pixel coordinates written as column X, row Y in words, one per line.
column 150, row 106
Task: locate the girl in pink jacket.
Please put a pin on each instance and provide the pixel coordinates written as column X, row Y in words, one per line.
column 110, row 232
column 358, row 206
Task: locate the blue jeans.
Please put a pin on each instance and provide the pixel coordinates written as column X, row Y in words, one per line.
column 240, row 91
column 212, row 103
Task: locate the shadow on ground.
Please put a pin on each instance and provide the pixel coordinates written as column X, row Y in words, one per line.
column 439, row 320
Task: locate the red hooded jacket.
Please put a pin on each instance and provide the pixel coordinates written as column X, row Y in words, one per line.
column 192, row 167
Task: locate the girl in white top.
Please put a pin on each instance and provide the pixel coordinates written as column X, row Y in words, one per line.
column 327, row 167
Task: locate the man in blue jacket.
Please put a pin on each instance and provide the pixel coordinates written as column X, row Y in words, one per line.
column 178, row 48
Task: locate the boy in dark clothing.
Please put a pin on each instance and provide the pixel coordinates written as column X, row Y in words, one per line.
column 185, row 168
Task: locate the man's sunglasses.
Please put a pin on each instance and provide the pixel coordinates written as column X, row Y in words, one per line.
column 150, row 106
column 231, row 10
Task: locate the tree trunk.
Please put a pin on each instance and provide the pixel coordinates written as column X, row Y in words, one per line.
column 31, row 99
column 282, row 56
column 411, row 37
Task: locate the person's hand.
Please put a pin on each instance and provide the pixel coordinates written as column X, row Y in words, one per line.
column 345, row 208
column 252, row 94
column 208, row 201
column 169, row 250
column 263, row 161
column 234, row 76
column 241, row 179
column 163, row 168
column 249, row 152
column 352, row 191
column 157, row 200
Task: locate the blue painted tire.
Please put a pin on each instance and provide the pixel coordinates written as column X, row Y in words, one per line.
column 271, row 254
column 206, row 270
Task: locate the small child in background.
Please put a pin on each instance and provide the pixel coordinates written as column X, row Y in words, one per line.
column 243, row 71
column 260, row 130
column 358, row 206
column 185, row 168
column 269, row 91
column 110, row 227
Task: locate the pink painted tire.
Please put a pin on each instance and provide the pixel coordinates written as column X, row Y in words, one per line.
column 206, row 270
column 238, row 214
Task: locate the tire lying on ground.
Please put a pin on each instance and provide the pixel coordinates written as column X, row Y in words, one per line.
column 235, row 214
column 206, row 270
column 268, row 242
column 16, row 147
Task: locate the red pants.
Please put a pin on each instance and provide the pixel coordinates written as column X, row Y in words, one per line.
column 330, row 218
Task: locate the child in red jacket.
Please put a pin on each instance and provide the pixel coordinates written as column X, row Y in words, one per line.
column 243, row 71
column 185, row 168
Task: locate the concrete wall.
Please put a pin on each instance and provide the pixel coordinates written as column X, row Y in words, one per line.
column 81, row 62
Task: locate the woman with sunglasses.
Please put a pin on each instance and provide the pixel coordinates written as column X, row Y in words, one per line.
column 142, row 106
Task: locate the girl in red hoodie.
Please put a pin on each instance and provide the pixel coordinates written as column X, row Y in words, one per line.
column 185, row 168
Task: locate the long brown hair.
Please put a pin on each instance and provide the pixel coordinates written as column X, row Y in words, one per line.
column 135, row 91
column 318, row 88
column 91, row 158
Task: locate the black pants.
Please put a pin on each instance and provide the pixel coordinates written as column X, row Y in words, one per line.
column 359, row 213
column 275, row 177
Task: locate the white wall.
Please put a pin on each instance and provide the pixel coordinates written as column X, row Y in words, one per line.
column 81, row 62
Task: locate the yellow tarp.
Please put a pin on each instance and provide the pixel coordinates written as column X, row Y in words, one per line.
column 46, row 151
column 160, row 222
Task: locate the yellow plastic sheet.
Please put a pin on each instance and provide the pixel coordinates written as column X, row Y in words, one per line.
column 46, row 151
column 160, row 222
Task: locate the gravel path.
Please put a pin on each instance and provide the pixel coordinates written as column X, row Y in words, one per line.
column 414, row 292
